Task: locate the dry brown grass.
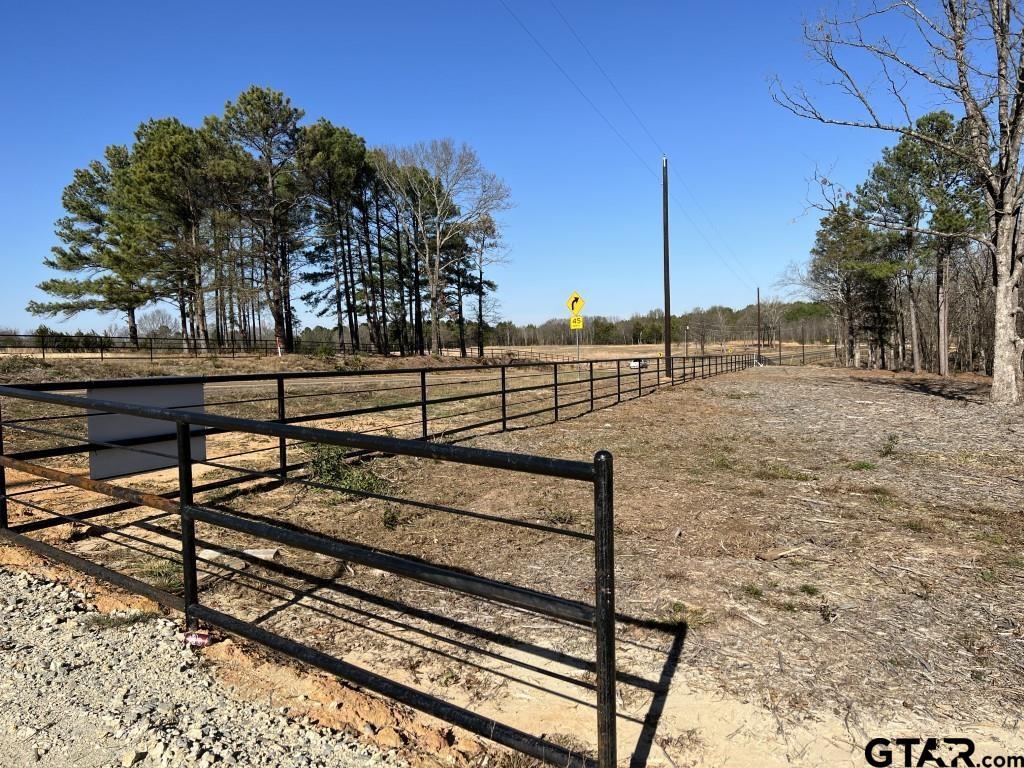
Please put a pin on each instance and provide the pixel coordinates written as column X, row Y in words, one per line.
column 806, row 563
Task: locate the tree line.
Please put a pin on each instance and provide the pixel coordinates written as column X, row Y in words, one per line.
column 233, row 221
column 903, row 261
column 712, row 327
column 932, row 239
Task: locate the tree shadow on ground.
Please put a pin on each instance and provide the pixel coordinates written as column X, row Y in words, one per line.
column 956, row 390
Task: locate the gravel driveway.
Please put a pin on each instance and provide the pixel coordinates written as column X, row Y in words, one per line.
column 84, row 689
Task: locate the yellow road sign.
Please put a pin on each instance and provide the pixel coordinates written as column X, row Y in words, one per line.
column 575, row 303
column 575, row 323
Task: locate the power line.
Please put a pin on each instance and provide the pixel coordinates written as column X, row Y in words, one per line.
column 654, row 141
column 607, row 77
column 581, row 92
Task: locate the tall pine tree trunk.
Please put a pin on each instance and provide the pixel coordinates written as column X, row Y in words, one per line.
column 480, row 309
column 286, row 296
column 915, row 338
column 399, row 265
column 348, row 276
column 366, row 277
column 461, row 316
column 183, row 315
column 133, row 328
column 417, row 290
column 942, row 309
column 385, row 342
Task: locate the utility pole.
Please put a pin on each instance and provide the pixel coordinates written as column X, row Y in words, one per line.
column 668, row 293
column 759, row 325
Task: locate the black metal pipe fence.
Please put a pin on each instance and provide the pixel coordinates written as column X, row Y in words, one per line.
column 801, row 356
column 504, row 353
column 417, row 409
column 153, row 348
column 181, row 503
column 424, row 403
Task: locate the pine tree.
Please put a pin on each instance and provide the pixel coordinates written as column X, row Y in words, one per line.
column 107, row 277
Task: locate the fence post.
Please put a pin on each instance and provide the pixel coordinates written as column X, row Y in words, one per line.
column 556, row 391
column 591, row 385
column 42, row 345
column 423, row 401
column 604, row 608
column 504, row 402
column 803, row 345
column 639, row 379
column 188, row 525
column 657, row 372
column 282, row 445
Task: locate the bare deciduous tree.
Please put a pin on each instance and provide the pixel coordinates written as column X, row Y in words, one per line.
column 970, row 54
column 447, row 190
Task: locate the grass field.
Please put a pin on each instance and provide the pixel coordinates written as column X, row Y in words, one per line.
column 841, row 546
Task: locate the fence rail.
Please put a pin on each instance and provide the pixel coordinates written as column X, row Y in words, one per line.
column 291, row 412
column 599, row 616
column 505, row 353
column 152, row 348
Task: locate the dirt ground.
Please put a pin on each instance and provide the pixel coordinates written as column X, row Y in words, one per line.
column 839, row 549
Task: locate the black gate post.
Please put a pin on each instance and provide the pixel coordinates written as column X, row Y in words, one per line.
column 591, row 385
column 188, row 525
column 282, row 446
column 423, row 401
column 604, row 609
column 618, row 381
column 504, row 402
column 556, row 391
column 657, row 373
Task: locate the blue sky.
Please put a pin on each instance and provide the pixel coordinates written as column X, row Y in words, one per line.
column 79, row 76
